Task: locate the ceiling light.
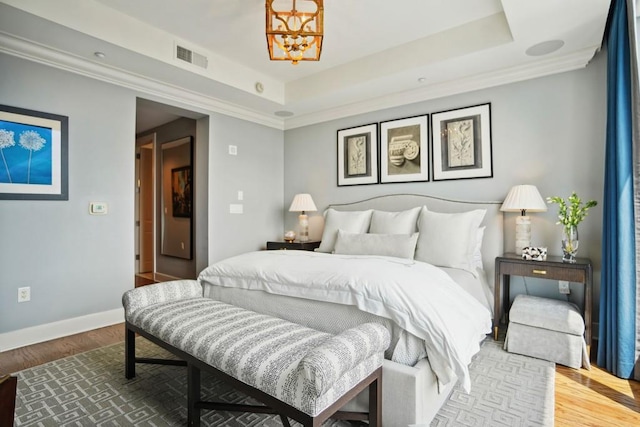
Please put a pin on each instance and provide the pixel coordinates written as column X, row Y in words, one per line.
column 294, row 29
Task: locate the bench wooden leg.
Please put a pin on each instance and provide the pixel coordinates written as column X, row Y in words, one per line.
column 193, row 395
column 285, row 421
column 375, row 402
column 129, row 353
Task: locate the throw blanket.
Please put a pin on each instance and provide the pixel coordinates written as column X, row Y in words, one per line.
column 419, row 297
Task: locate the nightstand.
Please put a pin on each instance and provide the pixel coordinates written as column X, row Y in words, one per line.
column 553, row 269
column 300, row 246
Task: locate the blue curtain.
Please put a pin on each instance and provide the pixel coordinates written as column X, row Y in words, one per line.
column 617, row 333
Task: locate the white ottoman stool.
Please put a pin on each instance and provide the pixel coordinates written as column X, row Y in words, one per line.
column 547, row 329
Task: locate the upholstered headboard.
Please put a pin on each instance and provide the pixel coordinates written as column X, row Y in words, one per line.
column 493, row 241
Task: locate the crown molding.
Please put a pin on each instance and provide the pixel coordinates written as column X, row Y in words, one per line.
column 35, row 52
column 533, row 70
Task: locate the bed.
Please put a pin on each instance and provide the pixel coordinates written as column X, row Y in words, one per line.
column 438, row 312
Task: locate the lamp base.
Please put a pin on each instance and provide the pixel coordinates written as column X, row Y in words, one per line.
column 523, row 233
column 303, row 219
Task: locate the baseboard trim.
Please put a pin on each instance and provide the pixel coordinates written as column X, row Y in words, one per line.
column 49, row 331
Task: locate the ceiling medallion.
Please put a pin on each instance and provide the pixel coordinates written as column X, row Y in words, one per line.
column 294, row 29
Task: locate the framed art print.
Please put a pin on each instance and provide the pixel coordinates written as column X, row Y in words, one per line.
column 33, row 155
column 462, row 143
column 358, row 155
column 181, row 191
column 404, row 152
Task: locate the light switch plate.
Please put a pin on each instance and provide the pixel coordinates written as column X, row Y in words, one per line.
column 98, row 208
column 235, row 208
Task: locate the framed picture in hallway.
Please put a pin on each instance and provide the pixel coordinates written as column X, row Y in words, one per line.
column 181, row 191
column 358, row 155
column 33, row 155
column 462, row 143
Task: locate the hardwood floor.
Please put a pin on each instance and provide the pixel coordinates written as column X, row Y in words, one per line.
column 595, row 398
column 583, row 398
column 37, row 354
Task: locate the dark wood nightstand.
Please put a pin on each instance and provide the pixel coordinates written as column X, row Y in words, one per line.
column 554, row 269
column 300, row 246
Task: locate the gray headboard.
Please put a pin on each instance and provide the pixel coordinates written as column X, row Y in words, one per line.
column 493, row 242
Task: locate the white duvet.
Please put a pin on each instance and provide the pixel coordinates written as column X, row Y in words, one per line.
column 419, row 297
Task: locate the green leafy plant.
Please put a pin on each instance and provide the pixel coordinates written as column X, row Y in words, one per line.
column 571, row 212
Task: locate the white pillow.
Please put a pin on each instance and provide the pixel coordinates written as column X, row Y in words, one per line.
column 477, row 251
column 448, row 239
column 353, row 222
column 396, row 245
column 404, row 222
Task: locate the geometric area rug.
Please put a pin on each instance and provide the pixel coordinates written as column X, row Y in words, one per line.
column 89, row 389
column 506, row 390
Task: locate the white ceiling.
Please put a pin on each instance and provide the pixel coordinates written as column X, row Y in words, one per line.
column 376, row 53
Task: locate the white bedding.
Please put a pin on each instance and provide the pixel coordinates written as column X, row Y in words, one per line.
column 421, row 298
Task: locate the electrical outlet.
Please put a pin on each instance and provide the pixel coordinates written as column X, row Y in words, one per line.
column 24, row 294
column 563, row 287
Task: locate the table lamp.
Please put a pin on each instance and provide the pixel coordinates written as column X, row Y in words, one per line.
column 523, row 198
column 303, row 203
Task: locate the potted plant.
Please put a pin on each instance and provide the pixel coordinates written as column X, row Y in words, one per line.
column 570, row 214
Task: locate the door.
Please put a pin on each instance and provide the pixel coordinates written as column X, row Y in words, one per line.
column 146, row 210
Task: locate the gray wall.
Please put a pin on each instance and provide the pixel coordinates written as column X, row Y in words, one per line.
column 547, row 131
column 77, row 264
column 257, row 171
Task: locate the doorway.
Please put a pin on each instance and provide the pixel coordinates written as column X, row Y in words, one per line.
column 158, row 126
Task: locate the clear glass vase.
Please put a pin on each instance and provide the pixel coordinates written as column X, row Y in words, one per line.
column 570, row 243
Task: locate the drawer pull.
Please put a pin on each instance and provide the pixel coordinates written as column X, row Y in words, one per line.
column 540, row 272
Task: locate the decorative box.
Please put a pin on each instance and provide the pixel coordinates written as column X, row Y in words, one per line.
column 534, row 253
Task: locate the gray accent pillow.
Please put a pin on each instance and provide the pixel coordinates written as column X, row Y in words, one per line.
column 403, row 222
column 354, row 222
column 396, row 245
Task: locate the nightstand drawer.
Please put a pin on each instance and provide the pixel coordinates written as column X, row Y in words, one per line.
column 544, row 271
column 300, row 246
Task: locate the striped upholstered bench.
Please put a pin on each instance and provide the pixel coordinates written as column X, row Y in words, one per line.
column 297, row 372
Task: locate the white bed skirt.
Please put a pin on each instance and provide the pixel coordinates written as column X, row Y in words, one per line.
column 410, row 395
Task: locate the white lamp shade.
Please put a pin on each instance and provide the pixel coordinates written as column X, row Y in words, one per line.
column 524, row 198
column 302, row 203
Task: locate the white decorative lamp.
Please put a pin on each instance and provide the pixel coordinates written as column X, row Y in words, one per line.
column 303, row 203
column 523, row 198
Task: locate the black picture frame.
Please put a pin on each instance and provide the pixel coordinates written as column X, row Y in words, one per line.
column 404, row 150
column 34, row 155
column 461, row 143
column 357, row 156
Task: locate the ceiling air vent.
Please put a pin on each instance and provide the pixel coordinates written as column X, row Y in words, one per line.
column 191, row 57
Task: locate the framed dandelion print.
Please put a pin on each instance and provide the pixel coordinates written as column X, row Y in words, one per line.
column 33, row 155
column 462, row 143
column 358, row 155
column 404, row 151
